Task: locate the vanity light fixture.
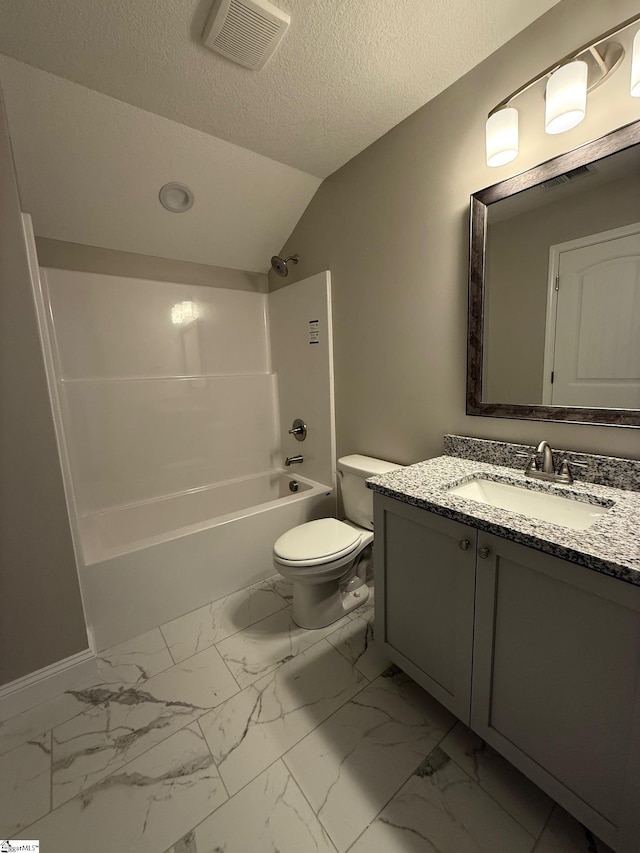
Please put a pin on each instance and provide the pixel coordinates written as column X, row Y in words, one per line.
column 568, row 82
column 502, row 136
column 566, row 97
column 635, row 67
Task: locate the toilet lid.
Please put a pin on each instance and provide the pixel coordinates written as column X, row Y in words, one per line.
column 317, row 541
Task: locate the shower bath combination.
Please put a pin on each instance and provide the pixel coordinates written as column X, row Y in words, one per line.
column 279, row 265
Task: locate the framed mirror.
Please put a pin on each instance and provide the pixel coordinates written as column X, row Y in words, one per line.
column 554, row 289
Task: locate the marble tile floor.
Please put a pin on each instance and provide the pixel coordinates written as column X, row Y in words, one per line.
column 232, row 730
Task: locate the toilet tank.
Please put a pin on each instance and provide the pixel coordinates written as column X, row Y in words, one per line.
column 357, row 498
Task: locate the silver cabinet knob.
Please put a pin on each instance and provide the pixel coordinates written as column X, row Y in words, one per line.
column 483, row 553
column 463, row 544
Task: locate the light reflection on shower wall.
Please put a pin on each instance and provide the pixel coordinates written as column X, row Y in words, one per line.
column 164, row 387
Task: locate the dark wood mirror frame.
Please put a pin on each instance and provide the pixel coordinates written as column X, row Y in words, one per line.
column 613, row 142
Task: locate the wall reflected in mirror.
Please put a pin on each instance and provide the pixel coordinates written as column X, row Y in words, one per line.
column 562, row 290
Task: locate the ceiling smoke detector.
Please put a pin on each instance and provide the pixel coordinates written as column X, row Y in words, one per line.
column 246, row 31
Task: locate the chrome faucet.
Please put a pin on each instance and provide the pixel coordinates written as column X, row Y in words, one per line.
column 561, row 474
column 548, row 471
column 547, row 457
column 293, row 460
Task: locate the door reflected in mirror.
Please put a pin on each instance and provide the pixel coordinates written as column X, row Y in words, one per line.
column 562, row 319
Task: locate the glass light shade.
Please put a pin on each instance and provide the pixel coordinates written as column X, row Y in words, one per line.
column 566, row 104
column 502, row 137
column 635, row 67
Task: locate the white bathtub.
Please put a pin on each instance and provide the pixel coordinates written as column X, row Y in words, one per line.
column 150, row 562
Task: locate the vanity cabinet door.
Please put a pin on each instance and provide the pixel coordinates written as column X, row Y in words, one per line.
column 425, row 585
column 555, row 681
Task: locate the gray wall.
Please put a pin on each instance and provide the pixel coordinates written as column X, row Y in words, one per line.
column 41, row 620
column 392, row 226
column 62, row 255
column 518, row 274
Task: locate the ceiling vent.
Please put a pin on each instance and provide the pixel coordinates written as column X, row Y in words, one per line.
column 246, row 31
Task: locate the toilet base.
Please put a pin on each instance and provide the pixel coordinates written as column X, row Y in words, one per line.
column 319, row 605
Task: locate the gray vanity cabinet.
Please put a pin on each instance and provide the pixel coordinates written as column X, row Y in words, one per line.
column 544, row 665
column 425, row 602
column 556, row 680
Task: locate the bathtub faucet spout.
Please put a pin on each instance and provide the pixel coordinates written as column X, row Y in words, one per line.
column 293, row 460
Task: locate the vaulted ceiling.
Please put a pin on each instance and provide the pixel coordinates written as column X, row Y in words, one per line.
column 347, row 71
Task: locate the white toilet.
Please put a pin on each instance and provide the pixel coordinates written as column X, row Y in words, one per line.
column 327, row 560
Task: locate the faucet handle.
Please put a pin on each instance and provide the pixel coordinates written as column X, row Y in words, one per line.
column 298, row 430
column 565, row 468
column 564, row 472
column 532, row 464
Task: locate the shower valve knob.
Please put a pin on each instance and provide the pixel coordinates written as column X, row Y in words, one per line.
column 298, row 430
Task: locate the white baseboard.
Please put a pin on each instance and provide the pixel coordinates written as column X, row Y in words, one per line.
column 37, row 687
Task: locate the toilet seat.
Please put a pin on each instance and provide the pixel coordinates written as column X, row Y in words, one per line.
column 316, row 542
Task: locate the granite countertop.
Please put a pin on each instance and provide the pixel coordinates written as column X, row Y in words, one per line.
column 610, row 546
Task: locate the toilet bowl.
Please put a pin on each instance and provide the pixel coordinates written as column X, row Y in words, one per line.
column 327, row 560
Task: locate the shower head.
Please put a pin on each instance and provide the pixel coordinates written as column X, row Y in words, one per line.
column 279, row 265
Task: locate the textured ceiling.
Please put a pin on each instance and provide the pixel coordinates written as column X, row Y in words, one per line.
column 347, row 71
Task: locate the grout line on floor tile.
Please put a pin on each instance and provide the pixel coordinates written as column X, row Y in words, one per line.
column 278, row 664
column 215, row 764
column 207, row 816
column 490, row 795
column 197, row 720
column 116, row 770
column 164, row 639
column 32, row 708
column 240, row 689
column 167, row 645
column 231, row 796
column 354, row 664
column 50, row 771
column 214, row 601
column 91, row 685
column 272, row 584
column 326, row 719
column 546, row 823
column 119, row 769
column 282, row 756
column 397, row 791
column 304, row 796
column 117, row 685
column 355, row 841
column 222, row 639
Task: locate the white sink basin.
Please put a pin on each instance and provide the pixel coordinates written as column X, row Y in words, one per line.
column 555, row 509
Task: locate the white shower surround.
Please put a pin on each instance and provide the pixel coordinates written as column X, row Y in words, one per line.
column 165, row 523
column 133, row 584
